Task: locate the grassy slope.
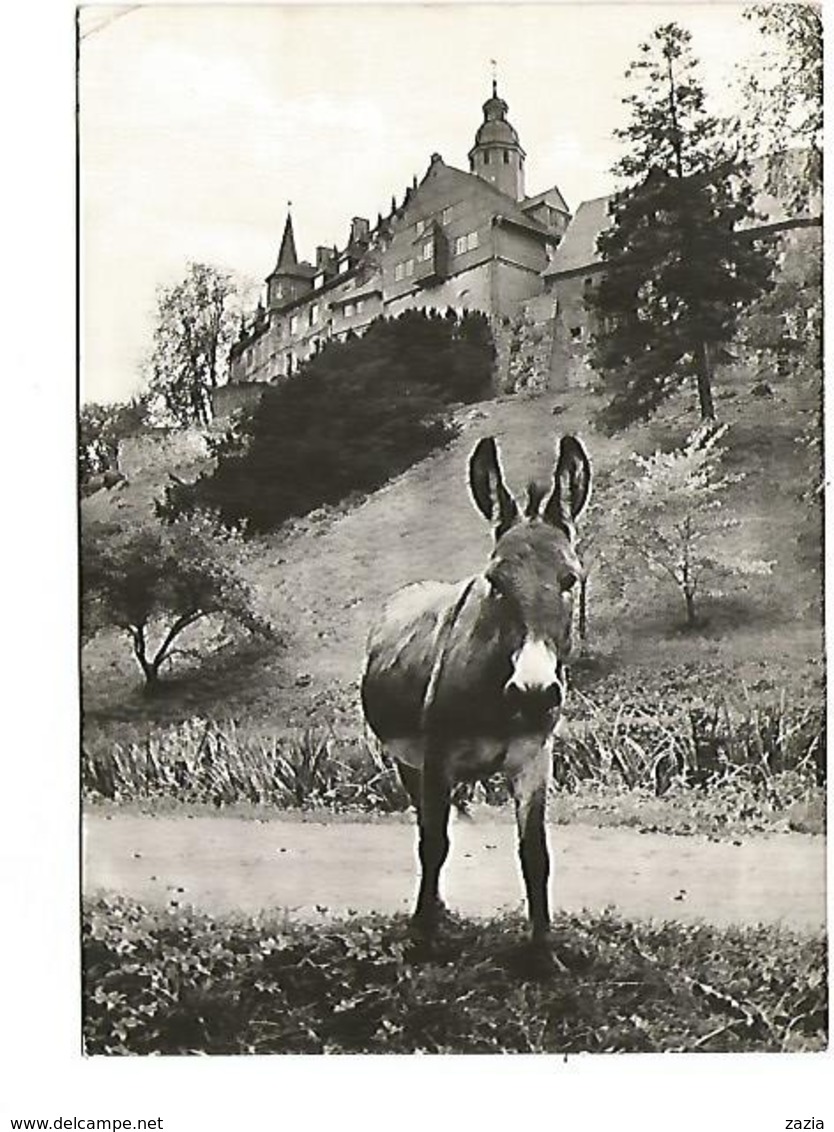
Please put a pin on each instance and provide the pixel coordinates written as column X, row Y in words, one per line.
column 323, row 580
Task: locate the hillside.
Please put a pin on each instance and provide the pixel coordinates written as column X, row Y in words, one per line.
column 322, row 580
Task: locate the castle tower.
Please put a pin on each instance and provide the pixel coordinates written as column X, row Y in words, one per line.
column 289, row 279
column 497, row 155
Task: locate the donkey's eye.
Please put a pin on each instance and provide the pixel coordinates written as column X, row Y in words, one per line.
column 568, row 581
column 496, row 588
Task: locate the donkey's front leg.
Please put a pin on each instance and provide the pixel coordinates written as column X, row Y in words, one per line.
column 529, row 781
column 434, row 840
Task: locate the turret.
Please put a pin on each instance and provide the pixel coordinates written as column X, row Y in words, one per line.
column 497, row 155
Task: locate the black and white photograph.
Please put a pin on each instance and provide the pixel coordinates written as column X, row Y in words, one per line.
column 450, row 529
column 418, row 637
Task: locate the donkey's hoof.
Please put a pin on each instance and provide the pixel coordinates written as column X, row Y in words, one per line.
column 424, row 926
column 537, row 960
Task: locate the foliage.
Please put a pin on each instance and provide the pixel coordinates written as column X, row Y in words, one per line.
column 100, row 428
column 783, row 99
column 195, row 327
column 176, row 982
column 155, row 582
column 677, row 272
column 752, row 763
column 671, row 517
column 205, row 762
column 355, row 415
column 783, row 328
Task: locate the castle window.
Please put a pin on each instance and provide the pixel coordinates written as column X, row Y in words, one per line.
column 319, row 280
column 360, row 306
column 472, row 241
column 344, row 265
column 446, row 215
column 350, row 310
column 399, row 272
column 576, row 333
column 460, row 245
column 420, row 226
column 314, row 314
column 486, row 157
column 506, row 157
column 409, row 267
column 428, row 249
column 294, row 325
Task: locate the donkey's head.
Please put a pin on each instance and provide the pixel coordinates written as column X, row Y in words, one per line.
column 533, row 570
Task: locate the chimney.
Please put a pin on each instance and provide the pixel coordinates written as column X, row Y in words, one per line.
column 325, row 259
column 359, row 230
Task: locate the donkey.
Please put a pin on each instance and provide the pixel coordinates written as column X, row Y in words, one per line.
column 467, row 678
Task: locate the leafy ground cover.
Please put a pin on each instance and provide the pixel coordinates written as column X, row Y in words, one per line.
column 183, row 983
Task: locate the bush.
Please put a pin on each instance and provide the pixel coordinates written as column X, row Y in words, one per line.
column 355, row 415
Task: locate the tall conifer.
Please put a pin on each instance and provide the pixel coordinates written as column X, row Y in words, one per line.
column 678, row 271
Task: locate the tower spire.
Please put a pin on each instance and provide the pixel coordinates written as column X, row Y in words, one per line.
column 287, row 256
column 494, row 68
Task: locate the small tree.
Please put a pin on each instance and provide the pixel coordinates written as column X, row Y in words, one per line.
column 782, row 99
column 195, row 326
column 155, row 582
column 672, row 518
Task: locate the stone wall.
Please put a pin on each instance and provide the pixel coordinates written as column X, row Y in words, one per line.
column 228, row 399
column 160, row 450
column 524, row 347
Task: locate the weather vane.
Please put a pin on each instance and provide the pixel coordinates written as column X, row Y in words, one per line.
column 494, row 67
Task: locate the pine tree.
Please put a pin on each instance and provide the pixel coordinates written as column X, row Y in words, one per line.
column 677, row 269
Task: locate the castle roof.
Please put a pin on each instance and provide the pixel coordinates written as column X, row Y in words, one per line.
column 288, row 264
column 578, row 248
column 506, row 207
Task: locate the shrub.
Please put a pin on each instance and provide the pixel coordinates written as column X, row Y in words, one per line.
column 355, row 415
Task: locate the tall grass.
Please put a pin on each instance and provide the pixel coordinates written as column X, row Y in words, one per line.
column 706, row 746
column 202, row 761
column 773, row 752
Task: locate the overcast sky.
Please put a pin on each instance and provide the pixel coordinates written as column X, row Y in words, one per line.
column 199, row 123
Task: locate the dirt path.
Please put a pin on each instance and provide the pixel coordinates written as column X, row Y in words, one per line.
column 222, row 864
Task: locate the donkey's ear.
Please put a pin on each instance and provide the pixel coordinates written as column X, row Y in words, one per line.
column 486, row 482
column 571, row 484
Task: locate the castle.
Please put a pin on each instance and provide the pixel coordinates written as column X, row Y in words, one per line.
column 466, row 240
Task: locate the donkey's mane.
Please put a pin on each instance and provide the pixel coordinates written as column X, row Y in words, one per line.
column 535, row 494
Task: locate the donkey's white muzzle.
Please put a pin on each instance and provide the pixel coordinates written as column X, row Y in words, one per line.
column 535, row 677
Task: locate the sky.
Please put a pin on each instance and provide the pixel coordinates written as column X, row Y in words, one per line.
column 198, row 124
